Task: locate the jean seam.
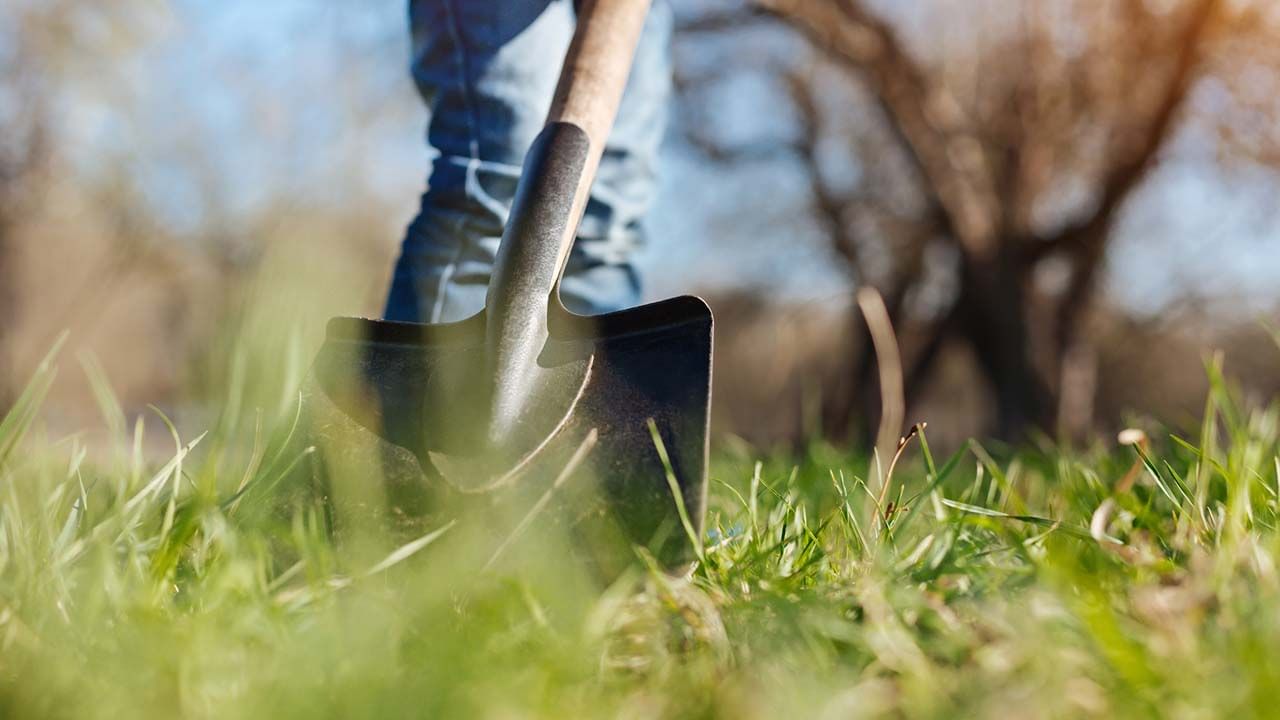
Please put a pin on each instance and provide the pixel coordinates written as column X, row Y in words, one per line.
column 473, row 147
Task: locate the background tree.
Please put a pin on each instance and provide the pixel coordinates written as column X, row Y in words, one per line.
column 997, row 145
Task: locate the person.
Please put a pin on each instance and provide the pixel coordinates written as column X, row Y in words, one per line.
column 487, row 70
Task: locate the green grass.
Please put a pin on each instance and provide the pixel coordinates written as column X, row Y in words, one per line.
column 1134, row 581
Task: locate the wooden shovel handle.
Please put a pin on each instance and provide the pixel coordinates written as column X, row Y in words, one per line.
column 592, row 80
column 597, row 65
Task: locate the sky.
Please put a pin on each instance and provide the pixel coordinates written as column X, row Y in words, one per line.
column 264, row 97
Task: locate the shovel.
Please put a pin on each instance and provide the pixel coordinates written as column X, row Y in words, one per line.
column 526, row 394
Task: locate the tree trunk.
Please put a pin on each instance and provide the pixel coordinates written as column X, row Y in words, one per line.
column 992, row 318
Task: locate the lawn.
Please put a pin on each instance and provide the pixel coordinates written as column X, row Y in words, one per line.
column 1134, row 578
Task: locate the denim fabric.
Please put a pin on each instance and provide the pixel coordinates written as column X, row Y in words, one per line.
column 487, row 70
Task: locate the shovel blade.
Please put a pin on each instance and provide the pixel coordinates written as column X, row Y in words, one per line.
column 612, row 381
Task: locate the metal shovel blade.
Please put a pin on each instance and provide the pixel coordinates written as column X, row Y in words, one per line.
column 607, row 383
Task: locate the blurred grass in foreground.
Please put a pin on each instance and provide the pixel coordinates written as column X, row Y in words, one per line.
column 1140, row 581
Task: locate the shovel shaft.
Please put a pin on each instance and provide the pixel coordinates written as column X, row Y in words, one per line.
column 558, row 171
column 548, row 206
column 591, row 84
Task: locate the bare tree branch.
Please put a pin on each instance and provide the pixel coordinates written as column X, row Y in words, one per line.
column 1137, row 160
column 1089, row 238
column 927, row 121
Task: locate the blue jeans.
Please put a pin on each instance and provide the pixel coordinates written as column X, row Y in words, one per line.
column 487, row 70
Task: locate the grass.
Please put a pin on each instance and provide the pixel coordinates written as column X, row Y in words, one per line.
column 1137, row 580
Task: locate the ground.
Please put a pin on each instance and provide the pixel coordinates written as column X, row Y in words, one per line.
column 1133, row 578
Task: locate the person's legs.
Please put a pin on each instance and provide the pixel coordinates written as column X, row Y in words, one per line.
column 487, row 70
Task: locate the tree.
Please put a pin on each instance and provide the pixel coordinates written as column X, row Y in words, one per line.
column 1019, row 131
